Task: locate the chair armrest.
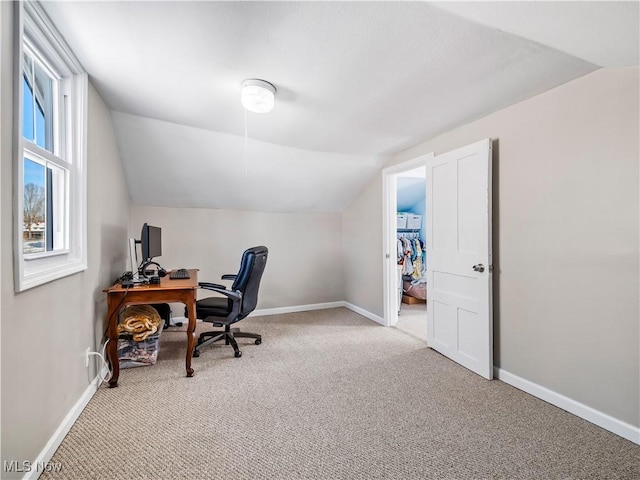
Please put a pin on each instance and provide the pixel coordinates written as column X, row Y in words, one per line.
column 209, row 285
column 234, row 295
column 228, row 276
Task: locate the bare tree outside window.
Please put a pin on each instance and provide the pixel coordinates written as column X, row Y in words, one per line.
column 34, row 207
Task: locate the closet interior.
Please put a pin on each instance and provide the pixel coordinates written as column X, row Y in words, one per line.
column 411, row 234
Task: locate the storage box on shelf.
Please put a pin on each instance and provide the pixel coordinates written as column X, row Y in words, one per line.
column 414, row 221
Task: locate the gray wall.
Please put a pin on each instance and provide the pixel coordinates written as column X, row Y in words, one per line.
column 45, row 330
column 362, row 247
column 565, row 238
column 305, row 250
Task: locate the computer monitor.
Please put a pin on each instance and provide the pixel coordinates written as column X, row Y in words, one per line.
column 151, row 242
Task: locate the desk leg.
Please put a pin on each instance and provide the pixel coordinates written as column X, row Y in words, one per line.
column 191, row 336
column 112, row 347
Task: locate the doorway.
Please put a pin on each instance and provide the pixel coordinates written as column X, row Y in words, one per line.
column 404, row 193
column 459, row 318
column 410, row 254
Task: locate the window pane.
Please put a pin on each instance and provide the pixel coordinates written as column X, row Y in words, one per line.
column 28, row 130
column 27, row 65
column 44, row 108
column 34, row 229
column 56, row 207
column 40, row 127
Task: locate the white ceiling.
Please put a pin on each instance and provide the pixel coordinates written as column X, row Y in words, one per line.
column 603, row 33
column 357, row 81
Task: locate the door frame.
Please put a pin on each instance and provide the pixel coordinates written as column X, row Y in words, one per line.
column 389, row 227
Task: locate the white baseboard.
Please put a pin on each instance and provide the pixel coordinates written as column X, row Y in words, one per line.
column 276, row 311
column 302, row 308
column 319, row 306
column 364, row 313
column 56, row 439
column 296, row 308
column 592, row 415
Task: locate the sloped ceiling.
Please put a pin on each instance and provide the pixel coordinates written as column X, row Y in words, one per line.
column 356, row 81
column 410, row 192
column 603, row 33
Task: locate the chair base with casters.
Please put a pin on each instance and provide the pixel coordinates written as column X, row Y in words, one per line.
column 229, row 336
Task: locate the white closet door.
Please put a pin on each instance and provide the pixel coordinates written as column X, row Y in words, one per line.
column 459, row 297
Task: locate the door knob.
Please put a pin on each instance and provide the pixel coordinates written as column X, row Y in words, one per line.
column 478, row 268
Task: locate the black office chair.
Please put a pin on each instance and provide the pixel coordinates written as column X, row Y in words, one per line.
column 241, row 299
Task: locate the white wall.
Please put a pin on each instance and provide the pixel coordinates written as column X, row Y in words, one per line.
column 566, row 241
column 45, row 330
column 304, row 264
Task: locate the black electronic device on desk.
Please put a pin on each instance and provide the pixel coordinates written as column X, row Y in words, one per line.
column 179, row 274
column 128, row 280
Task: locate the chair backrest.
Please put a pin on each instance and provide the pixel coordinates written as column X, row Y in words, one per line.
column 248, row 278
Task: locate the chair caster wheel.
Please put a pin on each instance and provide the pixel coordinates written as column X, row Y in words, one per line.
column 196, row 354
column 258, row 342
column 238, row 354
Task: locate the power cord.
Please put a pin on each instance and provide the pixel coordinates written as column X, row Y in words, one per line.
column 124, row 276
column 103, row 363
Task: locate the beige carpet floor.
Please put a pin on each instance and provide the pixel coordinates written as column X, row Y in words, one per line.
column 413, row 320
column 329, row 395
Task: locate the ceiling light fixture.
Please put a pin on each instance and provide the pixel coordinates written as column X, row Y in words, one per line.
column 258, row 96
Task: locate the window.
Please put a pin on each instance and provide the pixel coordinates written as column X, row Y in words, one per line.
column 50, row 178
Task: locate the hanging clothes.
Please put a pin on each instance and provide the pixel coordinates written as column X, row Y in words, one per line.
column 417, row 262
column 410, row 254
column 407, row 268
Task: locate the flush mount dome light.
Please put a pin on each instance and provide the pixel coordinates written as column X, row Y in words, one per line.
column 258, row 96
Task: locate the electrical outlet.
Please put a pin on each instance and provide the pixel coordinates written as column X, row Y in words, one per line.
column 86, row 357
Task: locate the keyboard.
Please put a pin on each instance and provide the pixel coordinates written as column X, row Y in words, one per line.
column 179, row 274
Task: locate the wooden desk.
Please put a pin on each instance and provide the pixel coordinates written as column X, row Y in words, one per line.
column 168, row 291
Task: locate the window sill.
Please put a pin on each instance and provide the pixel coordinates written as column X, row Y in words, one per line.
column 49, row 274
column 37, row 256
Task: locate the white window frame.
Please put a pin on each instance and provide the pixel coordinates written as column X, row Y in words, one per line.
column 33, row 27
